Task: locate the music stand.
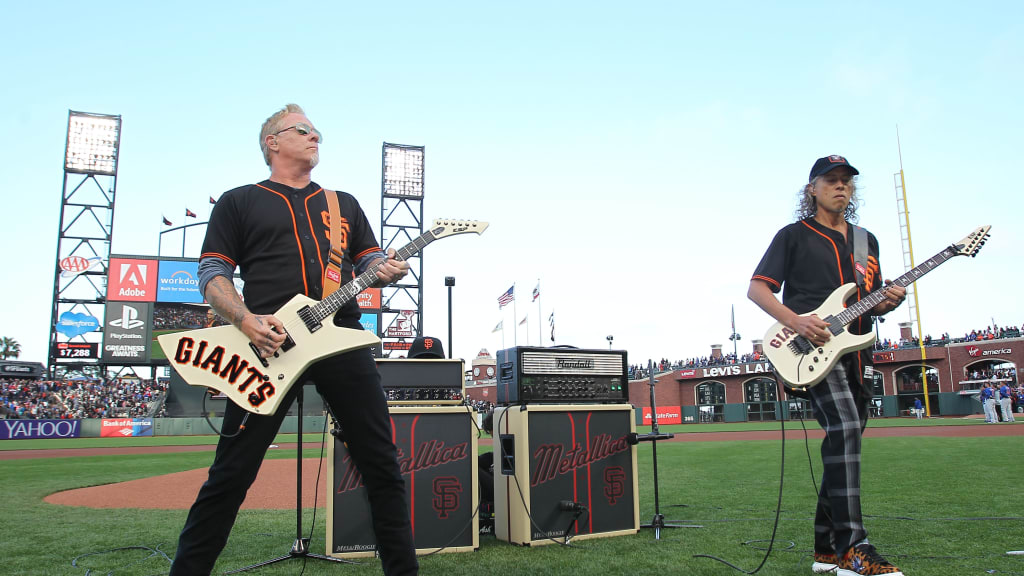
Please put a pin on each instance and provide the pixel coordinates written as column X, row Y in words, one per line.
column 658, row 521
column 300, row 548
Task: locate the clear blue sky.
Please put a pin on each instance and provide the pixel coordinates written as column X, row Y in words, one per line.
column 636, row 157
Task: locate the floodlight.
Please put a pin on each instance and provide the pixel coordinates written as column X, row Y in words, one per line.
column 92, row 143
column 403, row 171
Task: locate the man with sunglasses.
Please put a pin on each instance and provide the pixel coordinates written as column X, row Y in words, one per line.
column 277, row 232
column 808, row 260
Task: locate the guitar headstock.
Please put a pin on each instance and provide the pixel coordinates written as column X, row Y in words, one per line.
column 443, row 227
column 973, row 242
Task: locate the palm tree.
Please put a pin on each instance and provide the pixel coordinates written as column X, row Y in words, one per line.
column 9, row 348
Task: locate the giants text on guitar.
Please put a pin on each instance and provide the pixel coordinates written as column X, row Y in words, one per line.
column 222, row 358
column 802, row 364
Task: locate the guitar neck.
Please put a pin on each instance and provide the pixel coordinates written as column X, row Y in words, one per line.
column 367, row 279
column 865, row 304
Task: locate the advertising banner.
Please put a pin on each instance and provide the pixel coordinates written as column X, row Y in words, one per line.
column 666, row 415
column 73, row 324
column 32, row 429
column 369, row 299
column 133, row 280
column 126, row 427
column 128, row 332
column 404, row 326
column 76, row 350
column 369, row 322
column 178, row 282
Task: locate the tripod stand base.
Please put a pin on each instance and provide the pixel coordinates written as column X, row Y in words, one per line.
column 300, row 549
column 658, row 522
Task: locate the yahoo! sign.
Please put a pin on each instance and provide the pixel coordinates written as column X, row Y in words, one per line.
column 33, row 429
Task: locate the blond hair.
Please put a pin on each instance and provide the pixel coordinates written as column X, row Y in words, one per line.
column 273, row 125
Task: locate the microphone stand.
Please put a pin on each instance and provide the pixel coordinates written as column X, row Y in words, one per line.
column 658, row 522
column 300, row 548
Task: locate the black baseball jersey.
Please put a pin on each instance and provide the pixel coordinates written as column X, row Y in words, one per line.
column 808, row 261
column 279, row 238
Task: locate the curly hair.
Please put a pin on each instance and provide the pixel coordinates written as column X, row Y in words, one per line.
column 807, row 206
column 273, row 124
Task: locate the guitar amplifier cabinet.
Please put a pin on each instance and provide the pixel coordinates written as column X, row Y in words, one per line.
column 562, row 376
column 437, row 452
column 418, row 382
column 557, row 463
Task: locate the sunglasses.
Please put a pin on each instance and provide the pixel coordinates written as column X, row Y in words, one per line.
column 303, row 130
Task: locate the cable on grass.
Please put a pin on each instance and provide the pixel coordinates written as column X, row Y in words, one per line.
column 778, row 506
column 154, row 552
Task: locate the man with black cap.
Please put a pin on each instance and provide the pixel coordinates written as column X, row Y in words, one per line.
column 808, row 260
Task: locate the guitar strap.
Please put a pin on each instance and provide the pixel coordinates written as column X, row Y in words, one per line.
column 332, row 272
column 860, row 253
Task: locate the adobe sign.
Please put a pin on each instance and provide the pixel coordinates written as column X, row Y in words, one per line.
column 132, row 280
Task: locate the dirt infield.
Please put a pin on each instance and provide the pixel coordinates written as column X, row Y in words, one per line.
column 275, row 485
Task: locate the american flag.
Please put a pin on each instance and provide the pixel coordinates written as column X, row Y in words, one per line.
column 507, row 297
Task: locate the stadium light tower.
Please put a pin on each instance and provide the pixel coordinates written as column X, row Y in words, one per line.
column 401, row 222
column 83, row 238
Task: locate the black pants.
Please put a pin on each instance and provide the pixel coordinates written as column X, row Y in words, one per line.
column 350, row 385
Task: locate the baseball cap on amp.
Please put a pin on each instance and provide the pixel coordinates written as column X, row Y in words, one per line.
column 426, row 347
column 828, row 164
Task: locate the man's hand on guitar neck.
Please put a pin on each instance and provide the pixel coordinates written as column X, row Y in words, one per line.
column 894, row 296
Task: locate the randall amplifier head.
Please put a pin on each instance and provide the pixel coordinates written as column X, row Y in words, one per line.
column 416, row 381
column 561, row 376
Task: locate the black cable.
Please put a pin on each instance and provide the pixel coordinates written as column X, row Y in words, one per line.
column 778, row 507
column 206, row 415
column 153, row 552
column 316, row 488
column 522, row 497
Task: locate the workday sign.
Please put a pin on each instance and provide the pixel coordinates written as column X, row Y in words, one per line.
column 178, row 282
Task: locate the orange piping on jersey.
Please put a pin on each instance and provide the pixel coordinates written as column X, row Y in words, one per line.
column 295, row 231
column 768, row 280
column 365, row 252
column 313, row 231
column 834, row 248
column 217, row 255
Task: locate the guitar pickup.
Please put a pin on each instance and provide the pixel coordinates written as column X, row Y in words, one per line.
column 259, row 356
column 288, row 343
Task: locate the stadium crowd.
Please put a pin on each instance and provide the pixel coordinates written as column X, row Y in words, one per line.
column 85, row 398
column 637, row 371
column 988, row 333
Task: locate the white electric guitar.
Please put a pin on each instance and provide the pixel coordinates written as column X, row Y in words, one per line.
column 224, row 359
column 802, row 364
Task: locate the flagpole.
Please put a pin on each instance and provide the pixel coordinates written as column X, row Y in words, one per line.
column 540, row 335
column 515, row 334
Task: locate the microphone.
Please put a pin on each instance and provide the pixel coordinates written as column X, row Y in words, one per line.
column 569, row 506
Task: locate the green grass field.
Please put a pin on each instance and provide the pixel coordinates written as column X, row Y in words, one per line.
column 935, row 506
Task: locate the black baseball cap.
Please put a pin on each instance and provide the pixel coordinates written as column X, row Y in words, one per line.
column 828, row 164
column 426, row 347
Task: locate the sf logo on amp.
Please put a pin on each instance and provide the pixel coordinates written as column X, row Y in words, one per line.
column 446, row 495
column 614, row 487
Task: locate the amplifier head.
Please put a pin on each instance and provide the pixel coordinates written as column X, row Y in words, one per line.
column 416, row 381
column 561, row 375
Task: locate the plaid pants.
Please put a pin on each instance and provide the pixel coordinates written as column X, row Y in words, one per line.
column 842, row 412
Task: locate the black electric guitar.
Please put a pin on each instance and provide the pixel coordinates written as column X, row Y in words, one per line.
column 802, row 364
column 224, row 359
